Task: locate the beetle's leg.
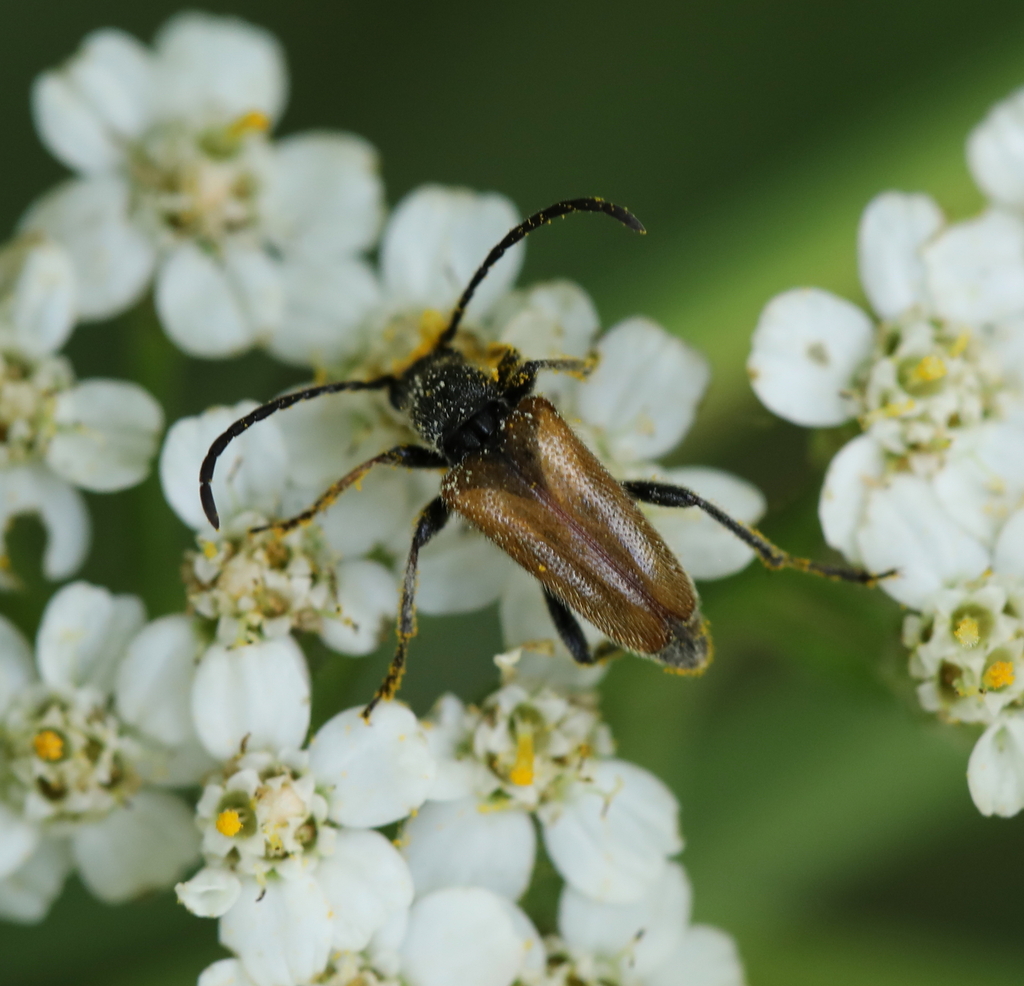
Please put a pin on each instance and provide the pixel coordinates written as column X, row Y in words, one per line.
column 264, row 411
column 432, row 519
column 519, row 379
column 409, row 456
column 666, row 495
column 569, row 629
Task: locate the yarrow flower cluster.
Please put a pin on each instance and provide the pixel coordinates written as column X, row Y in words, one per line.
column 90, row 731
column 933, row 485
column 58, row 435
column 388, row 851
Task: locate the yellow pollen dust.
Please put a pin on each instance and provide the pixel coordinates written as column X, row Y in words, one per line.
column 252, row 122
column 48, row 745
column 967, row 632
column 930, row 368
column 229, row 822
column 521, row 773
column 209, row 549
column 998, row 675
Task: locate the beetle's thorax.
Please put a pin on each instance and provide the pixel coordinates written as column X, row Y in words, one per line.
column 453, row 405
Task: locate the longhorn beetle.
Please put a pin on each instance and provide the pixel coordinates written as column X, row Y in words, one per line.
column 518, row 473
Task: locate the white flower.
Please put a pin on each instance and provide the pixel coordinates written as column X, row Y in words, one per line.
column 470, row 936
column 967, row 649
column 924, row 370
column 59, row 435
column 87, row 728
column 608, row 826
column 293, row 868
column 261, row 587
column 995, row 152
column 647, row 943
column 924, row 489
column 464, row 935
column 995, row 772
column 251, row 242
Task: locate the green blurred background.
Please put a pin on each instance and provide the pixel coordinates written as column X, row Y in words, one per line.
column 828, row 822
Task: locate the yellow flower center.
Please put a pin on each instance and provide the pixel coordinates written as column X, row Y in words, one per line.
column 998, row 675
column 252, row 122
column 960, row 344
column 229, row 822
column 49, row 745
column 968, row 633
column 522, row 770
column 930, row 369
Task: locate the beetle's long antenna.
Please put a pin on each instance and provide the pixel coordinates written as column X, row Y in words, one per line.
column 264, row 411
column 541, row 218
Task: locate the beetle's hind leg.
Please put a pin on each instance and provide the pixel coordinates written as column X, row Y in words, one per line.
column 432, row 519
column 569, row 629
column 774, row 557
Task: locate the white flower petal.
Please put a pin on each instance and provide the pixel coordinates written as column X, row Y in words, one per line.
column 18, row 840
column 107, row 435
column 461, row 935
column 366, row 881
column 804, row 352
column 27, row 893
column 249, row 475
column 1008, row 555
column 460, row 571
column 154, row 682
column 218, row 68
column 455, row 778
column 87, row 109
column 650, row 928
column 995, row 151
column 334, row 433
column 557, row 318
column 211, row 893
column 113, row 258
column 548, row 321
column 906, row 528
column 610, row 838
column 704, row 547
column 976, row 269
column 219, row 306
column 893, row 229
column 995, row 772
column 257, row 694
column 325, row 197
column 526, row 622
column 225, row 972
column 376, row 772
column 706, row 956
column 463, row 843
column 17, row 668
column 367, row 517
column 280, row 931
column 325, row 305
column 982, row 479
column 855, row 470
column 42, row 312
column 33, row 489
column 84, row 633
column 645, row 390
column 185, row 765
column 436, row 239
column 144, row 846
column 368, row 593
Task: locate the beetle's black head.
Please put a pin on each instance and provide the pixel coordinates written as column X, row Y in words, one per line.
column 454, row 405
